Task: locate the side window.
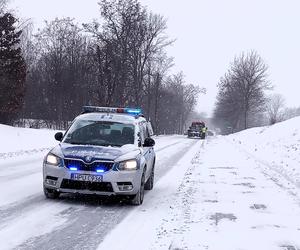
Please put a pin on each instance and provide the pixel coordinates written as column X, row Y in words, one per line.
column 147, row 132
column 143, row 132
column 149, row 129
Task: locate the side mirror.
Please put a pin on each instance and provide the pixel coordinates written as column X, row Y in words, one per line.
column 59, row 136
column 149, row 142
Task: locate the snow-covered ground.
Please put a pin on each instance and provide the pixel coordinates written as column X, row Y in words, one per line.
column 277, row 147
column 29, row 221
column 228, row 192
column 17, row 142
column 223, row 195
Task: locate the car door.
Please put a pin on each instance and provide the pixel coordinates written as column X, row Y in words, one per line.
column 149, row 132
column 147, row 151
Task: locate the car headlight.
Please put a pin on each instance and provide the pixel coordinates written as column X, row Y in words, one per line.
column 128, row 165
column 52, row 159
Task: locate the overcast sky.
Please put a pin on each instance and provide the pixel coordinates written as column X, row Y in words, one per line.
column 209, row 34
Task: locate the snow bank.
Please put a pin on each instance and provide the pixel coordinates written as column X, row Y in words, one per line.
column 216, row 197
column 15, row 140
column 277, row 146
column 19, row 141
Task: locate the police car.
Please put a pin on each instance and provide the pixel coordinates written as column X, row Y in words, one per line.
column 106, row 151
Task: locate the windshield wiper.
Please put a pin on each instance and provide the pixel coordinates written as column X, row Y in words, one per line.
column 109, row 144
column 94, row 144
column 75, row 143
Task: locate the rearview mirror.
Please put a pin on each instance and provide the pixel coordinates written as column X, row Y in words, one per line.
column 149, row 142
column 59, row 136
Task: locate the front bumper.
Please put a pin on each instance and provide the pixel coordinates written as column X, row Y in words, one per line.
column 59, row 179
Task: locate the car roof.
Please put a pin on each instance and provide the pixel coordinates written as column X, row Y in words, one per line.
column 112, row 117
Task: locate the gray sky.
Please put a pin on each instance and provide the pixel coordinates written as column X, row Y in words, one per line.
column 209, row 34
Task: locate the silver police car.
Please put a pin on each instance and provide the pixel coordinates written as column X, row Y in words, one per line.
column 106, row 151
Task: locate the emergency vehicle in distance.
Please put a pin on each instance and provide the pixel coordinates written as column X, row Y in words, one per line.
column 197, row 130
column 106, row 151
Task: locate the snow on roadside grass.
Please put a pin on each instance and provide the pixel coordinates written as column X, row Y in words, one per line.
column 277, row 146
column 24, row 141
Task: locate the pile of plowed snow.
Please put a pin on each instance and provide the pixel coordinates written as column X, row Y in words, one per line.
column 17, row 142
column 277, row 146
column 13, row 140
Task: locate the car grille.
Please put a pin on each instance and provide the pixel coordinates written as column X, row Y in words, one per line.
column 93, row 167
column 85, row 185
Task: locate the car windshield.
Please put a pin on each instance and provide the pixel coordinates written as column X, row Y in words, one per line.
column 100, row 133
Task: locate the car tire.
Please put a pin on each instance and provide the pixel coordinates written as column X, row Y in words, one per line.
column 150, row 182
column 139, row 197
column 51, row 193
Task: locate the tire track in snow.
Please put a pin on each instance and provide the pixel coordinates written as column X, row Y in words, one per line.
column 273, row 173
column 87, row 220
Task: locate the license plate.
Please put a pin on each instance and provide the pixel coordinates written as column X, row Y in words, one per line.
column 87, row 177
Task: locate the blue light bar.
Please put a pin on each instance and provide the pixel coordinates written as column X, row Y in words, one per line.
column 100, row 170
column 73, row 168
column 129, row 111
column 133, row 111
column 91, row 109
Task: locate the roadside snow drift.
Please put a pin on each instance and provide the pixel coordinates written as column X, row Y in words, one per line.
column 277, row 147
column 20, row 141
column 223, row 194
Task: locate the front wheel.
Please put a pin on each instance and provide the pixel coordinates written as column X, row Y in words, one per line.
column 139, row 197
column 51, row 193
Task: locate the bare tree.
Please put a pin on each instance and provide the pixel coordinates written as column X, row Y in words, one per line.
column 178, row 101
column 133, row 38
column 291, row 113
column 157, row 69
column 228, row 110
column 275, row 108
column 249, row 76
column 242, row 91
column 58, row 82
column 120, row 60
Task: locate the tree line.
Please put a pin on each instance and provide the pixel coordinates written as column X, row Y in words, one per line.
column 243, row 98
column 119, row 60
column 12, row 66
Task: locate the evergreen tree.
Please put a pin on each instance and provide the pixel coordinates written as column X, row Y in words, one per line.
column 12, row 69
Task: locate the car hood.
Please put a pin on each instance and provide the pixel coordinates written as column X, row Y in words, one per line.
column 89, row 153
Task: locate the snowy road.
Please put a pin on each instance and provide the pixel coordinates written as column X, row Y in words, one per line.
column 29, row 221
column 210, row 195
column 218, row 197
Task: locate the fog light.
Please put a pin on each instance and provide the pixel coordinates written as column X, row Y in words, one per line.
column 125, row 186
column 51, row 182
